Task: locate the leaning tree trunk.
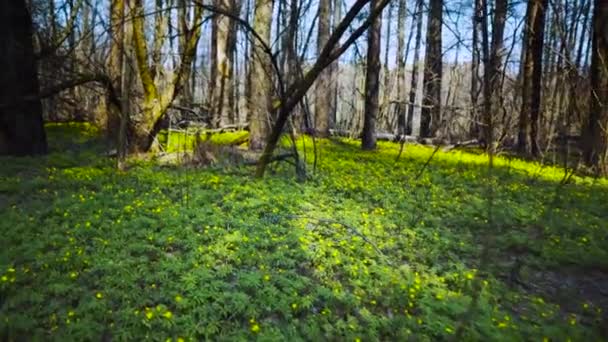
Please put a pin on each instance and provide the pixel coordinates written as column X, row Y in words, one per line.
column 595, row 134
column 372, row 83
column 532, row 73
column 260, row 71
column 431, row 100
column 21, row 125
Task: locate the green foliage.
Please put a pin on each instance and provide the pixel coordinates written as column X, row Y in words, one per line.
column 184, row 141
column 363, row 250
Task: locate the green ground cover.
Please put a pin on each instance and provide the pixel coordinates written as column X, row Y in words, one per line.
column 366, row 249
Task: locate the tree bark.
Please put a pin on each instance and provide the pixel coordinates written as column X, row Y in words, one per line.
column 474, row 127
column 492, row 66
column 323, row 83
column 532, row 76
column 260, row 77
column 431, row 110
column 384, row 121
column 155, row 100
column 21, row 126
column 223, row 73
column 401, row 107
column 409, row 127
column 595, row 134
column 372, row 83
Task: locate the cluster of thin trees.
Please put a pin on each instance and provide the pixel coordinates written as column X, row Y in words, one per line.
column 298, row 65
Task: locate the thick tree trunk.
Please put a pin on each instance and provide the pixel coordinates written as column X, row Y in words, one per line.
column 372, row 83
column 261, row 82
column 431, row 110
column 223, row 73
column 595, row 133
column 323, row 83
column 21, row 126
column 532, row 73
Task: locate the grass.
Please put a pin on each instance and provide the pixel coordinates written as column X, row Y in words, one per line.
column 363, row 250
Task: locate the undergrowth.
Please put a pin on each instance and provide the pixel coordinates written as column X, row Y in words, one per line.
column 363, row 250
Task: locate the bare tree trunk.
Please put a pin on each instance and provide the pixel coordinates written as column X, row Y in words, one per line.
column 573, row 105
column 401, row 107
column 160, row 25
column 384, row 119
column 213, row 74
column 595, row 134
column 332, row 51
column 21, row 126
column 474, row 129
column 260, row 77
column 221, row 104
column 156, row 100
column 323, row 83
column 492, row 66
column 117, row 34
column 125, row 86
column 372, row 84
column 335, row 71
column 231, row 85
column 532, row 73
column 431, row 110
column 409, row 128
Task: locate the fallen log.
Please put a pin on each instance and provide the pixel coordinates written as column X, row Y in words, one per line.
column 382, row 136
column 472, row 142
column 223, row 129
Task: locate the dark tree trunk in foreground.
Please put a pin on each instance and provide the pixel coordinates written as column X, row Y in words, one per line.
column 21, row 127
column 532, row 73
column 595, row 134
column 372, row 84
column 431, row 101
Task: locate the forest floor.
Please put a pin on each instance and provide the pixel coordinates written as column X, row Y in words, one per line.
column 367, row 248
